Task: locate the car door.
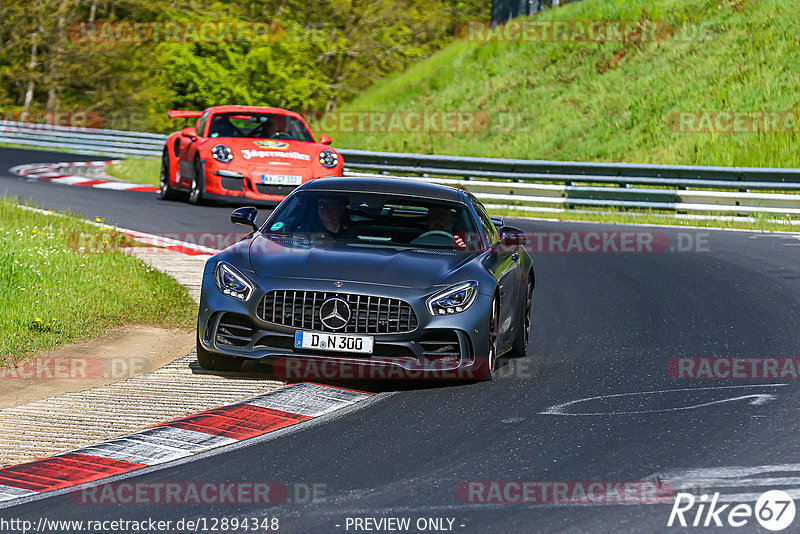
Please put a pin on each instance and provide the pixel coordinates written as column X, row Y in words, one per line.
column 505, row 266
column 188, row 149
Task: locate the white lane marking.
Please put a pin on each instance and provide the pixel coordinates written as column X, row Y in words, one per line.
column 709, row 480
column 71, row 180
column 307, row 399
column 43, row 174
column 757, row 400
column 8, row 493
column 130, row 450
column 181, row 438
column 117, row 185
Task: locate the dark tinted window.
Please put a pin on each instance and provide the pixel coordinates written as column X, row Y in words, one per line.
column 258, row 126
column 489, row 229
column 375, row 219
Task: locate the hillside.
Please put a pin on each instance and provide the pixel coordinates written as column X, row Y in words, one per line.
column 612, row 101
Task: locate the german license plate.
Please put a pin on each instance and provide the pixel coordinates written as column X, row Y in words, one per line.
column 333, row 342
column 280, row 179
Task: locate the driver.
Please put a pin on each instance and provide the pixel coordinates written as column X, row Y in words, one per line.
column 221, row 127
column 331, row 214
column 444, row 220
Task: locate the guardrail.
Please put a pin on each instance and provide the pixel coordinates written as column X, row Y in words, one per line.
column 522, row 184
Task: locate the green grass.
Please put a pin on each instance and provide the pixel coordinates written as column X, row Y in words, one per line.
column 551, row 100
column 144, row 171
column 52, row 291
column 33, row 147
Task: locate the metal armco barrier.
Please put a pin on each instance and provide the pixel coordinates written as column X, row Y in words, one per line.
column 509, row 182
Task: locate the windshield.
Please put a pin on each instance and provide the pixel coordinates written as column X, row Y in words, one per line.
column 375, row 220
column 259, row 126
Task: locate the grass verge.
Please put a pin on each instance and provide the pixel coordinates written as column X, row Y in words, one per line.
column 144, row 171
column 34, row 147
column 587, row 100
column 759, row 222
column 63, row 280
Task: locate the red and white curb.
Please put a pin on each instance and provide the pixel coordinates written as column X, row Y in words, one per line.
column 48, row 172
column 257, row 416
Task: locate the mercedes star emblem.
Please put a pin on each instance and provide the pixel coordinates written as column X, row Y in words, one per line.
column 335, row 313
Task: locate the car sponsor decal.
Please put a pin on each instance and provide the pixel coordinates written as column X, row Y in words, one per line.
column 249, row 154
column 280, row 145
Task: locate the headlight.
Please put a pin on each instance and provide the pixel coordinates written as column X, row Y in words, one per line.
column 329, row 158
column 222, row 153
column 232, row 283
column 454, row 299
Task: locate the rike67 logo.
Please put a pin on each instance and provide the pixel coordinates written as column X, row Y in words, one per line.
column 774, row 510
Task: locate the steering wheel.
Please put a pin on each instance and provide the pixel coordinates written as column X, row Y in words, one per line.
column 438, row 238
column 281, row 135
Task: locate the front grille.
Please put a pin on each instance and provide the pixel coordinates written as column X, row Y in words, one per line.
column 369, row 315
column 231, row 183
column 275, row 189
column 234, row 330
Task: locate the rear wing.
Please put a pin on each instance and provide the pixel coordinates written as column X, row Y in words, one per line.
column 178, row 114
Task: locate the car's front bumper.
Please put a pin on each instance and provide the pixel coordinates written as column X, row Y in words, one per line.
column 439, row 347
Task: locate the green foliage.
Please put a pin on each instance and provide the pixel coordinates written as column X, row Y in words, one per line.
column 323, row 52
column 609, row 101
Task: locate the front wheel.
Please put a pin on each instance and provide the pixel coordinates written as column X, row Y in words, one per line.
column 216, row 362
column 520, row 347
column 166, row 192
column 198, row 184
column 487, row 363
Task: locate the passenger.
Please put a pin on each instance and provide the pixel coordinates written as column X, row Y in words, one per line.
column 444, row 220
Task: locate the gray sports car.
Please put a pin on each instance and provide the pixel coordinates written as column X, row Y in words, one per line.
column 369, row 278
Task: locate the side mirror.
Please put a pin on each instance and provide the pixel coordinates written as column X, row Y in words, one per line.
column 189, row 132
column 245, row 216
column 512, row 238
column 325, row 139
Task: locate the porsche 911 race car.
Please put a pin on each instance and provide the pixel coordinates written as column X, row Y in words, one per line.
column 369, row 278
column 253, row 154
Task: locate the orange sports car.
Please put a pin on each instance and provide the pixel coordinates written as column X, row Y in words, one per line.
column 245, row 153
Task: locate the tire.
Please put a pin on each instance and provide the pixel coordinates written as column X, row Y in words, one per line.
column 198, row 184
column 487, row 364
column 166, row 192
column 520, row 347
column 216, row 362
